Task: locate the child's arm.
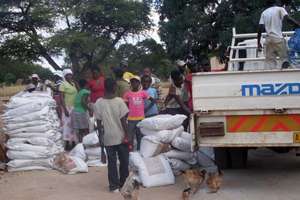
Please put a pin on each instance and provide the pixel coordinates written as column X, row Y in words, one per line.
column 125, row 126
column 182, row 104
column 62, row 100
column 85, row 103
column 153, row 101
column 172, row 91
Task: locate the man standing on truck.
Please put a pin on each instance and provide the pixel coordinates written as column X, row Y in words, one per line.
column 275, row 46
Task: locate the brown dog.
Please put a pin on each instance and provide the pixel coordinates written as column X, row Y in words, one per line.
column 193, row 179
column 214, row 181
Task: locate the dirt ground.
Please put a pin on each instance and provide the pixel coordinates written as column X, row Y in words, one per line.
column 269, row 176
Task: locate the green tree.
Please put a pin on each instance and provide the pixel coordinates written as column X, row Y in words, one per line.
column 205, row 27
column 22, row 70
column 9, row 78
column 86, row 31
column 147, row 53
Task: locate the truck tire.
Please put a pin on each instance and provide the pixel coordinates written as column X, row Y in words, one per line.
column 222, row 157
column 238, row 157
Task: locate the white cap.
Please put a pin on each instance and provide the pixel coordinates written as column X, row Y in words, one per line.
column 67, row 71
column 35, row 76
column 180, row 63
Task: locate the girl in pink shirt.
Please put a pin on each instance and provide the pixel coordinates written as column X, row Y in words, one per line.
column 135, row 101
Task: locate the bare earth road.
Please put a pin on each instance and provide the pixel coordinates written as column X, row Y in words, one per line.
column 269, row 177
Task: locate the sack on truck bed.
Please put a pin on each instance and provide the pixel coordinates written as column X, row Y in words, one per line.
column 155, row 171
column 162, row 122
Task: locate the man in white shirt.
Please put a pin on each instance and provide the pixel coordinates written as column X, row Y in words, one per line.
column 275, row 45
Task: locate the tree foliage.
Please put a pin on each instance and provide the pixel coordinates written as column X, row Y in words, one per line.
column 86, row 31
column 147, row 53
column 204, row 27
column 21, row 70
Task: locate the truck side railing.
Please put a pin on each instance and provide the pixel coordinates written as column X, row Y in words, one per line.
column 235, row 48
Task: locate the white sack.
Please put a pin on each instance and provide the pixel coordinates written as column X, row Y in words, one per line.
column 39, row 115
column 81, row 166
column 33, row 148
column 178, row 165
column 150, row 146
column 186, row 135
column 39, row 141
column 14, row 126
column 167, row 136
column 93, row 152
column 28, row 163
column 164, row 136
column 78, row 151
column 95, row 163
column 36, row 129
column 188, row 157
column 162, row 122
column 69, row 164
column 11, row 169
column 49, row 134
column 182, row 144
column 147, row 132
column 90, row 139
column 11, row 154
column 154, row 171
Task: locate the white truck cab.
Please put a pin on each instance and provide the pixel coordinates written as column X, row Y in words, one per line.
column 249, row 108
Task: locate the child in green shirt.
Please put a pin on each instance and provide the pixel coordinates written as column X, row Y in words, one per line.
column 80, row 115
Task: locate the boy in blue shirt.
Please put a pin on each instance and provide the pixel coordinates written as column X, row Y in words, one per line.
column 151, row 107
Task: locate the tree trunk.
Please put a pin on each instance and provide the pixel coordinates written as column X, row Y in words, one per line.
column 51, row 61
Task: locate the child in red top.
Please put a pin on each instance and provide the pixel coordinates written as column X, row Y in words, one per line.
column 135, row 101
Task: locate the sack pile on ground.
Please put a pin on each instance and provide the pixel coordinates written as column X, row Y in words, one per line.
column 33, row 128
column 166, row 151
column 89, row 150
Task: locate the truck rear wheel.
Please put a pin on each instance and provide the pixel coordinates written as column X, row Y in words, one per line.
column 238, row 157
column 222, row 157
column 235, row 158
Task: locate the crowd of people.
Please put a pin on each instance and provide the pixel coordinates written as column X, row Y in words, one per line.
column 118, row 105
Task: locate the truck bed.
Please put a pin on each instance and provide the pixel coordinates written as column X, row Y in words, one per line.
column 247, row 109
